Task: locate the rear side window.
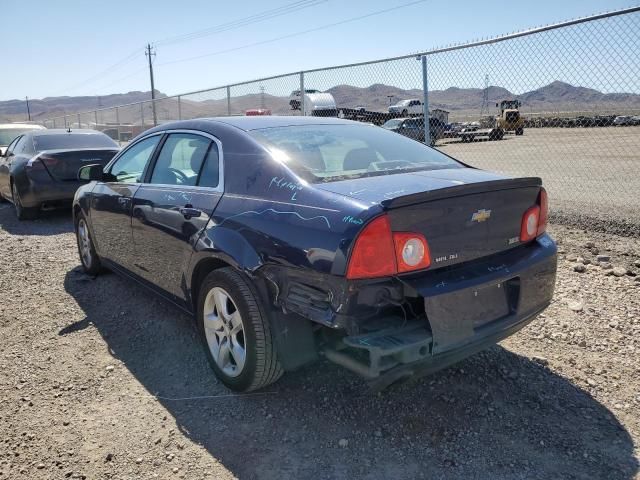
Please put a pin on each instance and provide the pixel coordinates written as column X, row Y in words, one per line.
column 210, row 174
column 72, row 140
column 180, row 159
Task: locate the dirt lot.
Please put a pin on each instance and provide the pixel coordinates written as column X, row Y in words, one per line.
column 101, row 380
column 587, row 170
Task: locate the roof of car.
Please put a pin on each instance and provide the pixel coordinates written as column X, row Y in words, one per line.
column 257, row 122
column 58, row 131
column 21, row 125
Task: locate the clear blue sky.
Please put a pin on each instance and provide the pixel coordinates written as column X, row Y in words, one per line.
column 63, row 47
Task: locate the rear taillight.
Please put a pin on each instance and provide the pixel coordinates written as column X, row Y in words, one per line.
column 39, row 162
column 534, row 220
column 373, row 252
column 529, row 226
column 543, row 202
column 412, row 251
column 378, row 252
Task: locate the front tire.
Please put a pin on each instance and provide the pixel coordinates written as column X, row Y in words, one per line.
column 88, row 256
column 23, row 213
column 236, row 332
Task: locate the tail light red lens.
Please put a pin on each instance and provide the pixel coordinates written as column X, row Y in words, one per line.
column 39, row 162
column 543, row 202
column 529, row 226
column 412, row 251
column 534, row 220
column 378, row 252
column 373, row 253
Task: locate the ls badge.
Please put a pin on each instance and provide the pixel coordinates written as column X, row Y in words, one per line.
column 481, row 215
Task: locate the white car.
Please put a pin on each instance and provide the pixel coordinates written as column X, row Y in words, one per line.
column 412, row 106
column 9, row 131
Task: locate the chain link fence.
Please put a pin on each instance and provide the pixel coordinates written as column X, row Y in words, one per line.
column 561, row 102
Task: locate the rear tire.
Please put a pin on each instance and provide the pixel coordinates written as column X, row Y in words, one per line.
column 23, row 213
column 88, row 256
column 236, row 332
column 519, row 131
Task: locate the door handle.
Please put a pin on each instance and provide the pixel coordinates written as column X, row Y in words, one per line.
column 124, row 201
column 190, row 212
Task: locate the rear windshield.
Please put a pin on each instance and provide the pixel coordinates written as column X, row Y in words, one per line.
column 8, row 134
column 71, row 140
column 325, row 153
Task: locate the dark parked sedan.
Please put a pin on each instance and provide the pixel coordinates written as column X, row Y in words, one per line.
column 40, row 168
column 288, row 238
column 414, row 128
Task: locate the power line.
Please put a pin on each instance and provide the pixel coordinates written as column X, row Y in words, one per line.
column 135, row 72
column 258, row 17
column 120, row 63
column 271, row 40
column 262, row 16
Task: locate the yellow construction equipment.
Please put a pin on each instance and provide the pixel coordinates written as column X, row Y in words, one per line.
column 510, row 119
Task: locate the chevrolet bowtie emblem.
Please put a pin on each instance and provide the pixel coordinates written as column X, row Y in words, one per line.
column 481, row 215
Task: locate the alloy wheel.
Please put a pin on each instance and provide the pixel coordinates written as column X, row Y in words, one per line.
column 84, row 243
column 224, row 331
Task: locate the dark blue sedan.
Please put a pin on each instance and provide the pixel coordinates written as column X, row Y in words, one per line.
column 288, row 238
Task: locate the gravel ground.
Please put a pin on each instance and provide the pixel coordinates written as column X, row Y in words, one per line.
column 101, row 380
column 591, row 173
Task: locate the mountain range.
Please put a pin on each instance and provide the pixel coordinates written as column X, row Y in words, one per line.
column 555, row 97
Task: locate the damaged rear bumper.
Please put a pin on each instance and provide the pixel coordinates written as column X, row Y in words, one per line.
column 450, row 357
column 466, row 309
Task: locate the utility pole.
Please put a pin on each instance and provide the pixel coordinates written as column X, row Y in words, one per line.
column 484, row 109
column 262, row 102
column 150, row 53
column 28, row 111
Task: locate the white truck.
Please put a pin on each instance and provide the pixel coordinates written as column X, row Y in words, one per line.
column 411, row 106
column 316, row 103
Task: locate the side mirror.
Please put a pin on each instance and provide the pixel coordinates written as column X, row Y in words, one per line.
column 90, row 173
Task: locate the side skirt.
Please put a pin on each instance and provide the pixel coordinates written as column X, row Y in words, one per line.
column 123, row 272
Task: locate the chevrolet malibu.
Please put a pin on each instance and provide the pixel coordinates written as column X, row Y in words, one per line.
column 291, row 238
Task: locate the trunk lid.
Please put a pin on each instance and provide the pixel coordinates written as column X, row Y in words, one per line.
column 63, row 165
column 463, row 213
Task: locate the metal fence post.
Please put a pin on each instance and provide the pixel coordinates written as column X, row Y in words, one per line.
column 95, row 115
column 302, row 106
column 425, row 106
column 142, row 115
column 118, row 122
column 65, row 122
column 179, row 109
column 79, row 124
column 229, row 101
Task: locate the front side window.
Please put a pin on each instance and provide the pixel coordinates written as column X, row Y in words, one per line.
column 129, row 167
column 325, row 153
column 180, row 159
